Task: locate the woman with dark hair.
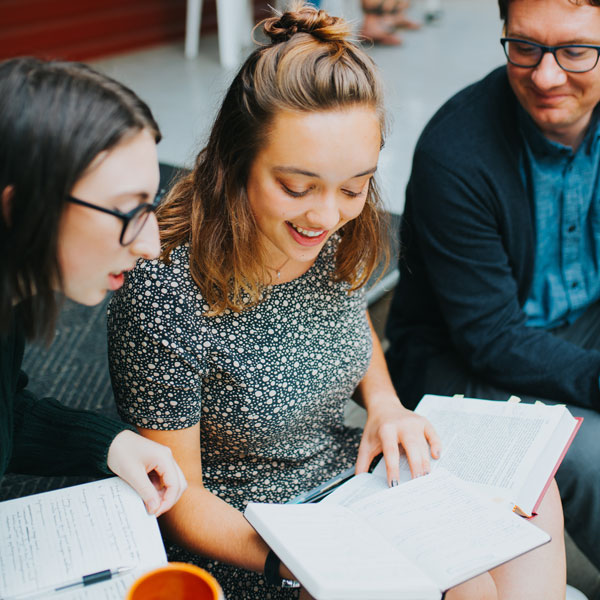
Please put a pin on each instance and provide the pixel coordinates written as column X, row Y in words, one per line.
column 241, row 345
column 78, row 177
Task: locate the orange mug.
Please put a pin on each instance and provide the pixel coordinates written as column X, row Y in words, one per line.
column 176, row 581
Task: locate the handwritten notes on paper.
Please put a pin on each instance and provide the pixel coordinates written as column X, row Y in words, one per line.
column 52, row 538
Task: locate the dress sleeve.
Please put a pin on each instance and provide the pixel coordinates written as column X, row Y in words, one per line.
column 157, row 347
column 52, row 439
column 461, row 240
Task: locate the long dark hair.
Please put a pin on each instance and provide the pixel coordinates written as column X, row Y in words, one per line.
column 55, row 118
column 311, row 64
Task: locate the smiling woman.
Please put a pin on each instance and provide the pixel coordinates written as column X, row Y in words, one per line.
column 311, row 178
column 241, row 345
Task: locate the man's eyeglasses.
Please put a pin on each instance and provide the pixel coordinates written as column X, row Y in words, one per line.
column 574, row 58
column 133, row 221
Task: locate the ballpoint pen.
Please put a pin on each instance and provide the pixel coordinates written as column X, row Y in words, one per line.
column 89, row 579
column 324, row 489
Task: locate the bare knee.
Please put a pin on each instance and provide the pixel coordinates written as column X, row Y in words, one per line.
column 541, row 573
column 550, row 513
column 478, row 588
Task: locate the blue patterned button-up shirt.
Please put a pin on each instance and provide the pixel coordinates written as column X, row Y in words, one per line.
column 564, row 190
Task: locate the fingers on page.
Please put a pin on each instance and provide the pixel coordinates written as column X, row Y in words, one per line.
column 391, row 455
column 418, row 459
column 363, row 459
column 434, row 440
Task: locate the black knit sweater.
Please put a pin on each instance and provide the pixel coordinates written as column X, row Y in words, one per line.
column 468, row 256
column 41, row 436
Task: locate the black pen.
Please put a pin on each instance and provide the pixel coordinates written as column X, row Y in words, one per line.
column 324, row 489
column 89, row 579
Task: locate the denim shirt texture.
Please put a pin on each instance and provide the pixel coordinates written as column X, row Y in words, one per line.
column 564, row 191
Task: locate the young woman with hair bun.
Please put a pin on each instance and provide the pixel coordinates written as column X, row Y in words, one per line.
column 241, row 345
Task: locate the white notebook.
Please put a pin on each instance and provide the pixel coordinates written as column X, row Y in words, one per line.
column 410, row 542
column 56, row 537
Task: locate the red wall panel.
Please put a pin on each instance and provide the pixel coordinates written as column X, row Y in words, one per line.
column 83, row 29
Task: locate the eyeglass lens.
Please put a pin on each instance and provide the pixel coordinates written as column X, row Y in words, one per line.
column 136, row 224
column 570, row 58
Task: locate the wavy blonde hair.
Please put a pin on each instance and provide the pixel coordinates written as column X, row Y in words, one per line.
column 309, row 65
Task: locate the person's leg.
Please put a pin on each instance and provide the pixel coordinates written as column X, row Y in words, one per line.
column 578, row 477
column 537, row 575
column 578, row 480
column 377, row 26
column 481, row 588
column 542, row 573
column 399, row 18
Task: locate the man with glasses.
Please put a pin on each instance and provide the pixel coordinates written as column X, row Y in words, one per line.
column 499, row 292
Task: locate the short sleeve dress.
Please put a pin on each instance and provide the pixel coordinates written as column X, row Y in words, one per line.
column 268, row 385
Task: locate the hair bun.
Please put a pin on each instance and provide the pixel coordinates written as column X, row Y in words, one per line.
column 304, row 18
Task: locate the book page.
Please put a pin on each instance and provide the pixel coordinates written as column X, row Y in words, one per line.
column 451, row 533
column 492, row 445
column 336, row 555
column 360, row 486
column 52, row 538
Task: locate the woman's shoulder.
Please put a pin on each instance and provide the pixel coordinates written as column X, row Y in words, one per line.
column 155, row 284
column 176, row 266
column 158, row 276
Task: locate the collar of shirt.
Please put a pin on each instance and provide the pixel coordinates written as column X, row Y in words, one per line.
column 541, row 145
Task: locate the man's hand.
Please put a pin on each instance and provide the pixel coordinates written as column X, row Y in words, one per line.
column 149, row 468
column 390, row 424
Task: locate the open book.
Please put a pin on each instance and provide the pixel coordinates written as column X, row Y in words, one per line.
column 56, row 537
column 508, row 450
column 498, row 456
column 410, row 542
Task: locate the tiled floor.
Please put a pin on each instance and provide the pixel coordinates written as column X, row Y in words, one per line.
column 432, row 64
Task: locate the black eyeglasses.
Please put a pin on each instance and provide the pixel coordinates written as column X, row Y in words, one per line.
column 133, row 221
column 574, row 58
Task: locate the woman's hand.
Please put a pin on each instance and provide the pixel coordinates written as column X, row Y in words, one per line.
column 390, row 424
column 149, row 468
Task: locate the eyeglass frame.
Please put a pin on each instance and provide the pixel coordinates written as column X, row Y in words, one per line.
column 546, row 49
column 126, row 217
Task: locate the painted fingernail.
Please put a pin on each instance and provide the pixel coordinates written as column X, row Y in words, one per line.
column 394, row 483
